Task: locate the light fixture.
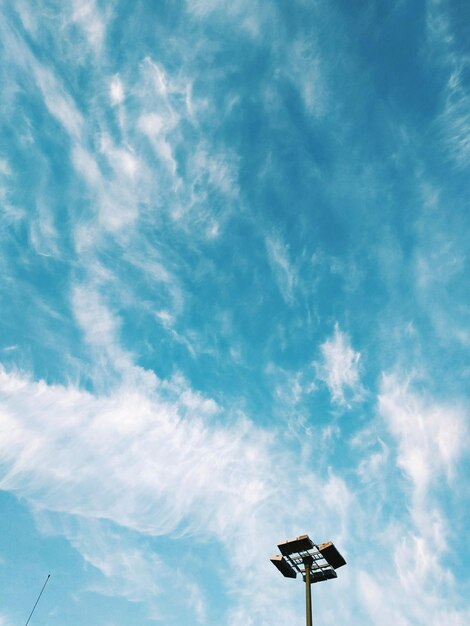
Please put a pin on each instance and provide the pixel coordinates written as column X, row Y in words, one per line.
column 314, row 562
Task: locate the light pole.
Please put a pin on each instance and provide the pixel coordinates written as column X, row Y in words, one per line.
column 314, row 562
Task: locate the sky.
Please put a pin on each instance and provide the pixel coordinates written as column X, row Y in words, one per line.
column 235, row 308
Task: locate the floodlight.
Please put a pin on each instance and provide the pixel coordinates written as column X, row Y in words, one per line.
column 331, row 554
column 319, row 575
column 315, row 563
column 283, row 566
column 299, row 544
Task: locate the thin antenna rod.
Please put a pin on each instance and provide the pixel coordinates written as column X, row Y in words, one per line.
column 39, row 597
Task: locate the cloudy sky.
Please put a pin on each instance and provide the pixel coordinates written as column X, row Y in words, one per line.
column 235, row 308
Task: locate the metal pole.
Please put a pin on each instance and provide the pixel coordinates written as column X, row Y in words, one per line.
column 308, row 560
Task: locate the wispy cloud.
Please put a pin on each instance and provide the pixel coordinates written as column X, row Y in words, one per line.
column 128, row 569
column 244, row 15
column 91, row 20
column 454, row 119
column 58, row 102
column 278, row 257
column 175, row 472
column 431, row 438
column 116, row 90
column 305, row 69
column 339, row 368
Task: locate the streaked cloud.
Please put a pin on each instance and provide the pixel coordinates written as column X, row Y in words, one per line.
column 339, row 368
column 431, row 438
column 116, row 90
column 176, row 473
column 278, row 257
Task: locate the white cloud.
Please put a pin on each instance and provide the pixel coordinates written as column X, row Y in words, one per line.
column 128, row 569
column 202, row 7
column 115, row 195
column 123, row 160
column 152, row 458
column 340, row 369
column 153, row 124
column 431, row 437
column 162, row 110
column 372, row 465
column 441, row 266
column 126, row 565
column 196, row 599
column 86, row 14
column 417, row 592
column 101, row 330
column 155, row 127
column 382, row 610
column 454, row 119
column 247, row 15
column 116, row 90
column 219, row 170
column 305, row 69
column 278, row 257
column 408, row 580
column 81, row 441
column 5, row 169
column 85, row 163
column 58, row 102
column 27, row 17
column 290, row 388
column 43, row 232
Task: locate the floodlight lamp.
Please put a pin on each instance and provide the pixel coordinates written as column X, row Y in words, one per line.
column 320, row 575
column 283, row 566
column 315, row 563
column 330, row 553
column 303, row 543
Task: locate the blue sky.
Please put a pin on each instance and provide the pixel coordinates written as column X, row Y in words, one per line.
column 235, row 308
